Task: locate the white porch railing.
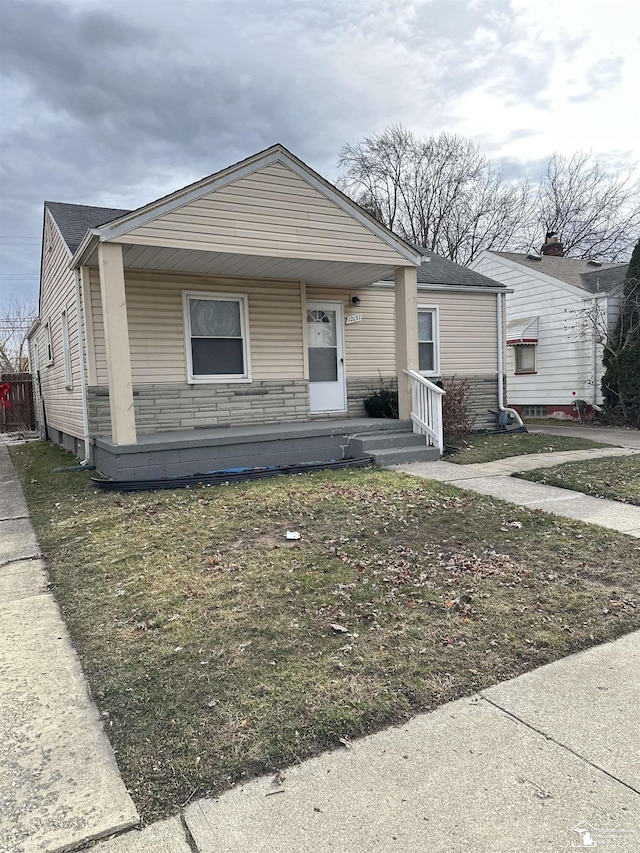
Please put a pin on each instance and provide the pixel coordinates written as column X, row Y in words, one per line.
column 426, row 409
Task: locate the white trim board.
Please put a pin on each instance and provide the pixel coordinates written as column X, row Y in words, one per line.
column 275, row 154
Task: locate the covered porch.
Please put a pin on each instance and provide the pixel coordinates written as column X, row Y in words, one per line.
column 244, row 301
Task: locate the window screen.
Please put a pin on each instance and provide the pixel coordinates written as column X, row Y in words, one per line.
column 217, row 339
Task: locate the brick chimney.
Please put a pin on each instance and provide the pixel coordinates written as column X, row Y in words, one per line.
column 552, row 246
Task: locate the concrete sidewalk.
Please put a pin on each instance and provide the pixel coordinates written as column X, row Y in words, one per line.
column 531, row 764
column 59, row 783
column 493, row 478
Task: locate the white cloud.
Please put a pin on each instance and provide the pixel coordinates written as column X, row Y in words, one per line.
column 116, row 103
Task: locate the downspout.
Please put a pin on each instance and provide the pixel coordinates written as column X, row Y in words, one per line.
column 596, row 317
column 500, row 326
column 83, row 375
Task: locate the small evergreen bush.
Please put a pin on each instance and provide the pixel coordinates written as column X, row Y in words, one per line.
column 382, row 403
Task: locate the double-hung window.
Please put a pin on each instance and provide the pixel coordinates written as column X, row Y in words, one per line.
column 525, row 357
column 217, row 337
column 48, row 349
column 66, row 349
column 428, row 349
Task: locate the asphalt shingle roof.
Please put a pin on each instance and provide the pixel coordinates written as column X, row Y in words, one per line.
column 439, row 271
column 575, row 271
column 74, row 220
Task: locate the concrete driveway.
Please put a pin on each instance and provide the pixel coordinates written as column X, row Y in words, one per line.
column 607, row 435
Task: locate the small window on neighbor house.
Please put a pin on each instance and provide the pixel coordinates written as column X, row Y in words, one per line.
column 66, row 349
column 525, row 355
column 217, row 346
column 428, row 355
column 48, row 350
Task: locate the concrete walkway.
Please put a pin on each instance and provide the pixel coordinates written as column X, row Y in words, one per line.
column 59, row 783
column 608, row 435
column 494, row 479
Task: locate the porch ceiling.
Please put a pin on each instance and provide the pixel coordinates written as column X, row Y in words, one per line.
column 322, row 273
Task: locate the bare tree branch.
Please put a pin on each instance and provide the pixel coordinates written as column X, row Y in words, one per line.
column 16, row 318
column 442, row 193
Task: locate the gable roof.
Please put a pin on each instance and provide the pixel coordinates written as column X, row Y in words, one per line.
column 441, row 272
column 576, row 271
column 74, row 220
column 604, row 279
column 127, row 221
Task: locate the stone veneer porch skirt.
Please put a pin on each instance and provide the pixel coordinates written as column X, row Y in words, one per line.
column 199, row 451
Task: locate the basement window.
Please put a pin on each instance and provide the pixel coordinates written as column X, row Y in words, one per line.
column 534, row 411
column 525, row 355
column 217, row 339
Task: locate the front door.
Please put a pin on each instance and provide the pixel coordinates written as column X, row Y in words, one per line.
column 325, row 342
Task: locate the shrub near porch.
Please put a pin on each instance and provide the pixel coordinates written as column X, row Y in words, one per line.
column 219, row 649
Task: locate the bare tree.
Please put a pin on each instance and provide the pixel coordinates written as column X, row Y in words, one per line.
column 442, row 193
column 439, row 192
column 595, row 214
column 16, row 318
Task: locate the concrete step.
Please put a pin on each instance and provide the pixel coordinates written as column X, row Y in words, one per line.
column 404, row 455
column 380, row 441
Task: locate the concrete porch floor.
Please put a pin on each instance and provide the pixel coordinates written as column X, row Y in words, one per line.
column 223, row 434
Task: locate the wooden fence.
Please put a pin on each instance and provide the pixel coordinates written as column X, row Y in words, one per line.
column 16, row 402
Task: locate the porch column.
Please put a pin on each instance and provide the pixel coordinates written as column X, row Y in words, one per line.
column 406, row 286
column 116, row 335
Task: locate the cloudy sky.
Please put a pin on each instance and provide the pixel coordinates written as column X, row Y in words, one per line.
column 116, row 102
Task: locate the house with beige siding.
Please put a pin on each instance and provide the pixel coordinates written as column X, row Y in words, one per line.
column 241, row 321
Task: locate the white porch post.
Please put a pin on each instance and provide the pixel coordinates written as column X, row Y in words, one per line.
column 406, row 286
column 116, row 334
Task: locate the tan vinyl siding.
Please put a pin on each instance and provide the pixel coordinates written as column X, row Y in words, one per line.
column 468, row 330
column 273, row 212
column 156, row 325
column 370, row 344
column 63, row 406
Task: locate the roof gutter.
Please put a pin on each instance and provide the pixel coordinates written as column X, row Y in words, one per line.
column 462, row 288
column 89, row 242
column 33, row 327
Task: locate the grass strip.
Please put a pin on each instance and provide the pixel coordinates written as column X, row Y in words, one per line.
column 489, row 448
column 220, row 649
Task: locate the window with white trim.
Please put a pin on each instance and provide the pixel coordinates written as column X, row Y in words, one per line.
column 525, row 358
column 428, row 345
column 48, row 350
column 216, row 328
column 66, row 350
column 34, row 357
